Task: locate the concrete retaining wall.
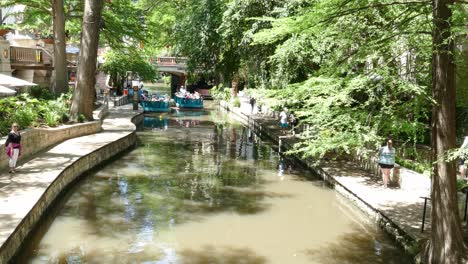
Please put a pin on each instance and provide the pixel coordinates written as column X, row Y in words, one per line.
column 69, row 174
column 34, row 140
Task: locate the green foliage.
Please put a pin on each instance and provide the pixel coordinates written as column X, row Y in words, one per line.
column 118, row 63
column 197, row 36
column 28, row 111
column 81, row 118
column 40, row 92
column 423, row 168
column 461, row 184
column 220, row 93
column 236, row 102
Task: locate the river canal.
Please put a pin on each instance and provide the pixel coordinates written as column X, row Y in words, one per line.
column 200, row 188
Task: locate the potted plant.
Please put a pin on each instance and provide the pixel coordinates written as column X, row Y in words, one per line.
column 4, row 29
column 47, row 38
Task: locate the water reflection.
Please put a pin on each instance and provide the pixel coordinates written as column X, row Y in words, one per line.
column 209, row 193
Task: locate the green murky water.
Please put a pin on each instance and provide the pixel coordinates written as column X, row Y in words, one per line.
column 199, row 189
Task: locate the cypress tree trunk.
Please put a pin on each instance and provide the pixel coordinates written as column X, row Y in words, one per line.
column 446, row 241
column 83, row 97
column 60, row 77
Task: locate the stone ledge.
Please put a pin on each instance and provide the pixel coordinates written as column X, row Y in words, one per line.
column 34, row 140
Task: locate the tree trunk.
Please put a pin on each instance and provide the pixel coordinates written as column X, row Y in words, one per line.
column 83, row 97
column 446, row 241
column 60, row 77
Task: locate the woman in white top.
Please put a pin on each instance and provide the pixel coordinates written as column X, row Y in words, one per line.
column 387, row 161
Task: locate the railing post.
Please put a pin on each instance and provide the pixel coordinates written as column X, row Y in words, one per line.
column 465, row 190
column 424, row 212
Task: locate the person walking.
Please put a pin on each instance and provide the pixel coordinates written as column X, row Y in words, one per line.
column 387, row 161
column 294, row 121
column 252, row 104
column 283, row 119
column 13, row 147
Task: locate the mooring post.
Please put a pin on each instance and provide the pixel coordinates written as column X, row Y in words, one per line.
column 279, row 145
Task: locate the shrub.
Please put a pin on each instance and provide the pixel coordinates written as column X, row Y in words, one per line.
column 52, row 118
column 236, row 102
column 81, row 118
column 40, row 92
column 220, row 93
column 28, row 111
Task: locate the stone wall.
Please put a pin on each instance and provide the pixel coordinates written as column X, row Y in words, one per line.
column 34, row 140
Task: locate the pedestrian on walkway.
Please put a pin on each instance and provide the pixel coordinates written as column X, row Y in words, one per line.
column 283, row 119
column 252, row 104
column 294, row 121
column 13, row 147
column 387, row 161
column 462, row 160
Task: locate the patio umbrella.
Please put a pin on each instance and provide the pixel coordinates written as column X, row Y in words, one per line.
column 10, row 81
column 4, row 91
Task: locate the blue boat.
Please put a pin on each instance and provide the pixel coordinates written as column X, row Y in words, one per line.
column 155, row 106
column 188, row 102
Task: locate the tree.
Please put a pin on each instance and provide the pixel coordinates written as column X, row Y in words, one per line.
column 83, row 97
column 197, row 36
column 118, row 63
column 60, row 77
column 40, row 15
column 446, row 241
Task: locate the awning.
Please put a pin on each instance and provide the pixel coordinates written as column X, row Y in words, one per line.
column 4, row 91
column 10, row 81
column 72, row 49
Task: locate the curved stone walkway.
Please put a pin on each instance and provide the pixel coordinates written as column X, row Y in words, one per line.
column 25, row 196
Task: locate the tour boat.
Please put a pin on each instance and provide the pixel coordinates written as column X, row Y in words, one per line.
column 188, row 102
column 155, row 106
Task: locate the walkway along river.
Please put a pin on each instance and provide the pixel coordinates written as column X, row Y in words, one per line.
column 200, row 188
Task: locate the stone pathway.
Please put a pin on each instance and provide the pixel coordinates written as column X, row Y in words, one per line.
column 21, row 191
column 403, row 206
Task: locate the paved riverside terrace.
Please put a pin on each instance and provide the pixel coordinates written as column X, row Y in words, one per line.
column 402, row 206
column 21, row 191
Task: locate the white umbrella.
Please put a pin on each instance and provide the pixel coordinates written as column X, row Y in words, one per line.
column 4, row 91
column 14, row 82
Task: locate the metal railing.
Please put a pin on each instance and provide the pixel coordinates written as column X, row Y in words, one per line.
column 170, row 61
column 20, row 55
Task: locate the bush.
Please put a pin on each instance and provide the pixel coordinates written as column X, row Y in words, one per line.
column 81, row 118
column 220, row 93
column 28, row 111
column 52, row 118
column 236, row 102
column 40, row 92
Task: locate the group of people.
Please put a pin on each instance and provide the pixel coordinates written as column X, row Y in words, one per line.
column 155, row 97
column 183, row 93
